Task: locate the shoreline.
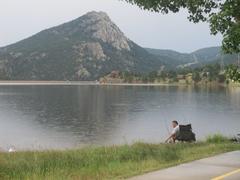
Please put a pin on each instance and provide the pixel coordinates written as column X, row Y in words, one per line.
column 95, row 83
column 108, row 162
column 22, row 83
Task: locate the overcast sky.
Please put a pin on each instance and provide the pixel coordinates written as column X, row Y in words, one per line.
column 20, row 19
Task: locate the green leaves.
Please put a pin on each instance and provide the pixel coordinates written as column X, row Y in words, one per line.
column 233, row 73
column 227, row 22
column 231, row 40
column 222, row 15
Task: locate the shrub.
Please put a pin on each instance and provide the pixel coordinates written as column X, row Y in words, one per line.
column 217, row 138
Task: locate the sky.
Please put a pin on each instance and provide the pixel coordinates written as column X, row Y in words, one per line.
column 20, row 19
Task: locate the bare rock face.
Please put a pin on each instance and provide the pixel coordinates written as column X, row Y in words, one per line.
column 82, row 73
column 91, row 49
column 102, row 28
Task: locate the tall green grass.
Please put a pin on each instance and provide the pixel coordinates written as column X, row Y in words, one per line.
column 217, row 138
column 113, row 162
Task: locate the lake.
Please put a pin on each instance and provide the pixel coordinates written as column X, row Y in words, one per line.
column 61, row 116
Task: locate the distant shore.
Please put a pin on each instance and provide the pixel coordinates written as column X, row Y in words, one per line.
column 97, row 83
column 2, row 83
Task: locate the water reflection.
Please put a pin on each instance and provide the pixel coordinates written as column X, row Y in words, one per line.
column 71, row 116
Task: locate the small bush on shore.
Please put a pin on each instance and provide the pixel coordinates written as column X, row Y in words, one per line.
column 217, row 138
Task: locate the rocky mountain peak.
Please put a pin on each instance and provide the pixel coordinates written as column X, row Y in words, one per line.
column 97, row 15
column 99, row 26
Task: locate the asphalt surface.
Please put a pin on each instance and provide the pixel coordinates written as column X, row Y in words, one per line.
column 224, row 166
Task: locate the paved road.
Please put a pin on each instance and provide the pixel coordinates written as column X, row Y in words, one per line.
column 224, row 166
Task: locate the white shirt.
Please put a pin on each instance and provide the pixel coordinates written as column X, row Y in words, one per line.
column 175, row 130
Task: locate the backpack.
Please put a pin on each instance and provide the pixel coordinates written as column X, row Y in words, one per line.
column 186, row 134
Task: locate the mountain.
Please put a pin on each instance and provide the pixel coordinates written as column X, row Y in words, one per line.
column 83, row 49
column 171, row 57
column 197, row 58
column 88, row 48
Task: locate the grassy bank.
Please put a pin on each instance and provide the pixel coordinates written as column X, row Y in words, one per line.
column 107, row 162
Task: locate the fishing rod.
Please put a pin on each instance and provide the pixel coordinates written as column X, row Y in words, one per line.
column 165, row 123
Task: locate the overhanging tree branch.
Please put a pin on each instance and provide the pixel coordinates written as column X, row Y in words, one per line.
column 222, row 15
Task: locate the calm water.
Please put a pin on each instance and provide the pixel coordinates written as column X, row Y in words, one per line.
column 33, row 117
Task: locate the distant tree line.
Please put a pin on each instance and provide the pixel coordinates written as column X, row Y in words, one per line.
column 207, row 73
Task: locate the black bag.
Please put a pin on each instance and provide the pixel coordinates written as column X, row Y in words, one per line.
column 186, row 134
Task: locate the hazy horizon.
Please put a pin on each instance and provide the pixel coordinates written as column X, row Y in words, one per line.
column 151, row 30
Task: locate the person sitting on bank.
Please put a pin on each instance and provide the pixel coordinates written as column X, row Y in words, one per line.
column 174, row 133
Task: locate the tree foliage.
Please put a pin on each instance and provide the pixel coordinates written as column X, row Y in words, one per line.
column 206, row 73
column 222, row 15
column 233, row 73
